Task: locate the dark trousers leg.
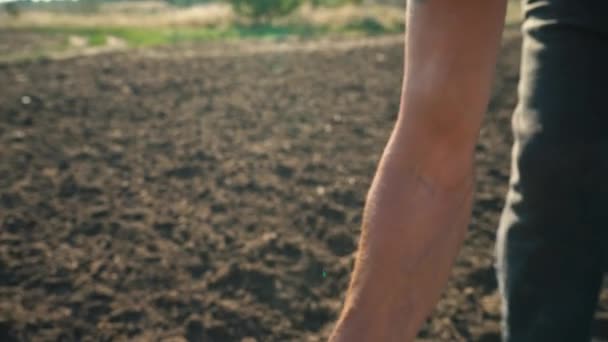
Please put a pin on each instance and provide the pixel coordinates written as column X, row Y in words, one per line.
column 550, row 240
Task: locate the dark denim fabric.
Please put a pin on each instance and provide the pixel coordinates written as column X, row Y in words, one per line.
column 552, row 240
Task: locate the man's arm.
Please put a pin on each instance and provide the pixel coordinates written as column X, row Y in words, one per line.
column 419, row 203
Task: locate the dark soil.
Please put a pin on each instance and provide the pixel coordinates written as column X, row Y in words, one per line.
column 213, row 198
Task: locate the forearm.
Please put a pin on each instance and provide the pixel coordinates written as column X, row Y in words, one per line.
column 419, row 204
column 412, row 230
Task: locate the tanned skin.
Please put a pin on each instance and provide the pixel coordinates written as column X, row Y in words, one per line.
column 419, row 204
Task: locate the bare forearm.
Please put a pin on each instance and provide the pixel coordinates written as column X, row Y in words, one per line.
column 419, row 204
column 412, row 230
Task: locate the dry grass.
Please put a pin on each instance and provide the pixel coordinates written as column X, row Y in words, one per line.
column 387, row 16
column 142, row 15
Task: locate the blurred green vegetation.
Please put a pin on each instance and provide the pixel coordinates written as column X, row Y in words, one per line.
column 334, row 3
column 12, row 9
column 115, row 24
column 88, row 23
column 368, row 25
column 263, row 11
column 186, row 3
column 141, row 37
